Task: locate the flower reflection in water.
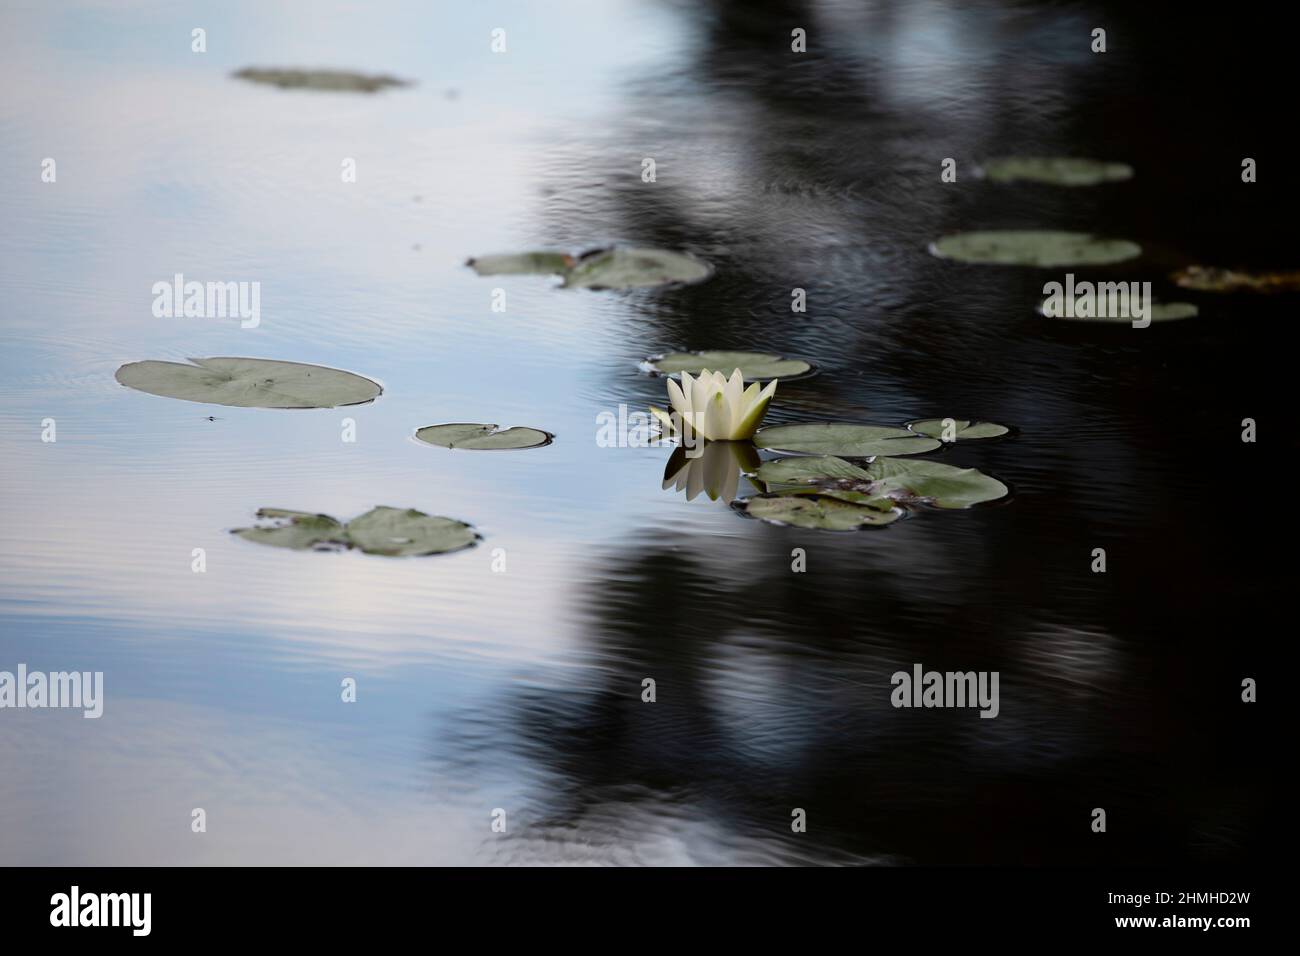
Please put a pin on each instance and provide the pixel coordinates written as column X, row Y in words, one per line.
column 714, row 468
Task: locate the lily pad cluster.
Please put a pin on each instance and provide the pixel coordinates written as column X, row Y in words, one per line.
column 617, row 267
column 820, row 488
column 392, row 532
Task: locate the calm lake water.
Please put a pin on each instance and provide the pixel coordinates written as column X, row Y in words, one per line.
column 521, row 690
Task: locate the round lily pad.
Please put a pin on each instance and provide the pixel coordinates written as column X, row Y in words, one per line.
column 635, row 268
column 960, row 430
column 1055, row 170
column 250, row 383
column 393, row 532
column 1160, row 312
column 403, row 532
column 842, row 439
column 754, row 366
column 482, row 437
column 933, row 482
column 329, row 81
column 1033, row 248
column 820, row 512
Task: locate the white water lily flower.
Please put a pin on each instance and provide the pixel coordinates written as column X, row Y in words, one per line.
column 714, row 407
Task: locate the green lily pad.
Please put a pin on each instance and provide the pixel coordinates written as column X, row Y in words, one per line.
column 250, row 383
column 635, row 268
column 1033, row 248
column 295, row 529
column 329, row 81
column 820, row 512
column 933, row 482
column 802, row 471
column 1160, row 312
column 403, row 532
column 842, row 439
column 754, row 366
column 523, row 263
column 484, row 437
column 393, row 532
column 961, row 430
column 1055, row 170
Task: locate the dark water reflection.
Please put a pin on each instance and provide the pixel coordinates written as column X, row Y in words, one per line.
column 524, row 691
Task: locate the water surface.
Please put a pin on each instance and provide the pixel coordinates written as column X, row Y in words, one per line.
column 522, row 690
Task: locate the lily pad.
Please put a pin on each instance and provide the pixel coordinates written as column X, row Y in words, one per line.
column 330, row 81
column 1055, row 170
column 842, row 439
column 799, row 471
column 961, row 430
column 523, row 263
column 1160, row 312
column 295, row 529
column 1211, row 279
column 1033, row 248
column 250, row 383
column 820, row 512
column 635, row 268
column 754, row 366
column 483, row 437
column 933, row 482
column 403, row 532
column 394, row 532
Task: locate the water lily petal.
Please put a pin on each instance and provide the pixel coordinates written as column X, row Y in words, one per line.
column 664, row 419
column 753, row 417
column 717, row 418
column 677, row 398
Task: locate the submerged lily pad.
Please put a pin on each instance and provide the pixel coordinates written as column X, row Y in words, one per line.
column 250, row 383
column 1160, row 312
column 843, row 439
column 523, row 263
column 394, row 532
column 933, row 482
column 820, row 512
column 961, row 430
column 1211, row 279
column 754, row 366
column 1055, row 170
column 1033, row 248
column 330, row 81
column 635, row 268
column 483, row 437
